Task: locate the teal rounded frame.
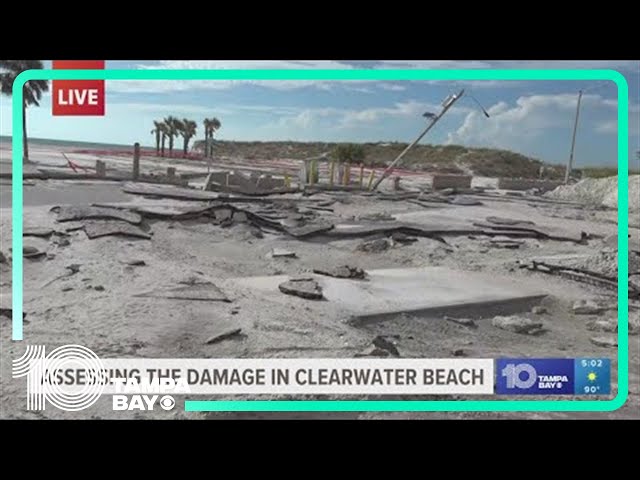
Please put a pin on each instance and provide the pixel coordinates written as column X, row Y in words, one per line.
column 359, row 74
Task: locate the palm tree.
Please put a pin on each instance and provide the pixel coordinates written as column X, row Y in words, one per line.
column 173, row 129
column 157, row 131
column 31, row 93
column 207, row 130
column 188, row 130
column 215, row 126
column 164, row 131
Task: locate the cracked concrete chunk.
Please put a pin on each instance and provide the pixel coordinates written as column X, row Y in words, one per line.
column 217, row 338
column 606, row 342
column 609, row 326
column 68, row 213
column 282, row 253
column 343, row 271
column 517, row 324
column 383, row 343
column 588, row 307
column 374, row 246
column 102, row 228
column 302, row 287
column 466, row 322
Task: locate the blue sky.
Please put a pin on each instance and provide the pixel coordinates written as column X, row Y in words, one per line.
column 534, row 118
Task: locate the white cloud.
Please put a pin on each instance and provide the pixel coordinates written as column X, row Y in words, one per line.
column 392, row 87
column 512, row 126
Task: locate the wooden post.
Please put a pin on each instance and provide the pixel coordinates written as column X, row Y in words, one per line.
column 396, row 183
column 136, row 161
column 332, row 170
column 361, row 175
column 101, row 168
column 347, row 174
column 371, row 177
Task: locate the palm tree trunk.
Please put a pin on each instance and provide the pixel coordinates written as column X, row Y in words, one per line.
column 163, row 140
column 25, row 145
column 157, row 142
column 171, row 145
column 186, row 145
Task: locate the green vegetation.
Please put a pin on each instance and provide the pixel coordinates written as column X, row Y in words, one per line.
column 31, row 94
column 348, row 152
column 602, row 172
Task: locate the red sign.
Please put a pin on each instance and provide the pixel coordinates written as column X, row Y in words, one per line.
column 78, row 97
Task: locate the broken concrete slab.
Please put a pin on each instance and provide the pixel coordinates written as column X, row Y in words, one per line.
column 606, row 342
column 6, row 306
column 465, row 322
column 609, row 326
column 282, row 253
column 102, row 228
column 372, row 351
column 374, row 246
column 70, row 213
column 219, row 337
column 428, row 291
column 199, row 291
column 509, row 221
column 383, row 343
column 539, row 310
column 343, row 271
column 517, row 324
column 464, row 201
column 29, row 251
column 588, row 307
column 302, row 287
column 309, row 229
column 402, row 238
column 37, row 232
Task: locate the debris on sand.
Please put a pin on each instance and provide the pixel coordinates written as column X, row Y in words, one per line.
column 606, row 342
column 103, row 228
column 402, row 238
column 6, row 308
column 282, row 253
column 302, row 287
column 611, row 326
column 588, row 307
column 465, row 322
column 598, row 192
column 235, row 332
column 98, row 288
column 382, row 343
column 539, row 310
column 68, row 213
column 198, row 290
column 135, row 263
column 517, row 324
column 29, row 251
column 458, row 352
column 374, row 246
column 3, row 259
column 377, row 217
column 372, row 351
column 71, row 270
column 608, row 326
column 343, row 271
column 37, row 232
column 509, row 221
column 465, row 201
column 505, row 242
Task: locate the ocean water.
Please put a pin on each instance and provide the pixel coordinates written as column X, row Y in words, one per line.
column 5, row 139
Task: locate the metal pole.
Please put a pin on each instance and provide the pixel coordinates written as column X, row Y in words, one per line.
column 567, row 173
column 388, row 170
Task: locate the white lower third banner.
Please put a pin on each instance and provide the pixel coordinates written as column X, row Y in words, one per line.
column 298, row 376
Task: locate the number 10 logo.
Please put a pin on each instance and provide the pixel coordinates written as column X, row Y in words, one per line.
column 522, row 375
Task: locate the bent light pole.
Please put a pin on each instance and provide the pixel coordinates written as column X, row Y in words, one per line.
column 567, row 173
column 447, row 104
